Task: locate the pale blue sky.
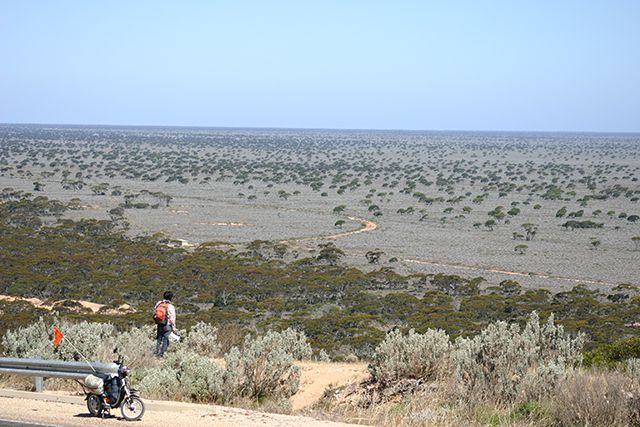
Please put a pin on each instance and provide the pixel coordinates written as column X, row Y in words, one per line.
column 458, row 65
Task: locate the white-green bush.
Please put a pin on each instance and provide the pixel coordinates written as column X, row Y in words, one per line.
column 88, row 339
column 203, row 339
column 507, row 364
column 410, row 356
column 265, row 366
column 323, row 356
column 158, row 383
column 633, row 370
column 200, row 378
column 137, row 345
column 503, row 363
column 292, row 342
column 35, row 341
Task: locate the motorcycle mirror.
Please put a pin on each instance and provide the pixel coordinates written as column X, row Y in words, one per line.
column 115, row 350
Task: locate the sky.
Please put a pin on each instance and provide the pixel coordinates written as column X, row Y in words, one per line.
column 557, row 65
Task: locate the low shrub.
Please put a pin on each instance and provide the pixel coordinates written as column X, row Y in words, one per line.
column 507, row 364
column 199, row 377
column 265, row 365
column 158, row 382
column 502, row 364
column 89, row 339
column 203, row 339
column 33, row 341
column 410, row 356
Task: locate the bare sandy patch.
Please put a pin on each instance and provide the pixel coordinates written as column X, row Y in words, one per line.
column 93, row 306
column 316, row 377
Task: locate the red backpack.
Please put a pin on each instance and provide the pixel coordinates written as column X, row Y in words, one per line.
column 161, row 313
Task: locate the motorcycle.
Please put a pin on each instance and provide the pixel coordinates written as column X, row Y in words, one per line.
column 113, row 391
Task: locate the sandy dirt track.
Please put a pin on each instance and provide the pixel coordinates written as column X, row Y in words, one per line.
column 71, row 411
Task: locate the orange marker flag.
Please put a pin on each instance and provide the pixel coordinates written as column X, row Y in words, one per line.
column 57, row 337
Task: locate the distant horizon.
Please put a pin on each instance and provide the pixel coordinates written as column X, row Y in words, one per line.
column 173, row 126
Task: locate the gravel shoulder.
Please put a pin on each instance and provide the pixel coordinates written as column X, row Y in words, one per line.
column 58, row 410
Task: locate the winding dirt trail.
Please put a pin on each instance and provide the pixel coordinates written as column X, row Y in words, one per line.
column 508, row 272
column 366, row 227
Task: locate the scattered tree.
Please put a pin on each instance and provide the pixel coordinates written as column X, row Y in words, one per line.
column 374, row 256
column 521, row 249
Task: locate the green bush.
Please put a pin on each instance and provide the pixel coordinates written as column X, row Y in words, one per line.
column 611, row 355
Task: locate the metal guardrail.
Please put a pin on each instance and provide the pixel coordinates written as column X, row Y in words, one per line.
column 42, row 368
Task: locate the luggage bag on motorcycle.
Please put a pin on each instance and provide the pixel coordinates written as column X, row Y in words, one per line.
column 94, row 383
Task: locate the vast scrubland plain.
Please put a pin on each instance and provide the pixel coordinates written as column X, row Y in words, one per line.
column 547, row 210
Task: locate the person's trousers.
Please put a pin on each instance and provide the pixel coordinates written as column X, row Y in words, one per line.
column 162, row 339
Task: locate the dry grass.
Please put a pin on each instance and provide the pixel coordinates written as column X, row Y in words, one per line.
column 597, row 399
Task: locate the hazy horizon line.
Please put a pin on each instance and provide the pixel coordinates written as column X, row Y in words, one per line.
column 111, row 125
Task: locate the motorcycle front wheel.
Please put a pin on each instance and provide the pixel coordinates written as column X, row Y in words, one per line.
column 94, row 404
column 132, row 408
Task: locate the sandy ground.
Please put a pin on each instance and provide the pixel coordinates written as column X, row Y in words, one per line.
column 94, row 307
column 71, row 411
column 317, row 376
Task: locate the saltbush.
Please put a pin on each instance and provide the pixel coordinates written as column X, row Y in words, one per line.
column 265, row 365
column 203, row 339
column 33, row 341
column 410, row 356
column 88, row 339
column 136, row 344
column 505, row 363
column 262, row 367
column 158, row 382
column 199, row 377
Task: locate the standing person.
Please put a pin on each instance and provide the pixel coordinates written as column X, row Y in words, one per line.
column 164, row 314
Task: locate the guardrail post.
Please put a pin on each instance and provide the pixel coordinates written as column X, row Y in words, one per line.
column 38, row 384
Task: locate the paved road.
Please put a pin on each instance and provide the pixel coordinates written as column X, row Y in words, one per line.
column 7, row 423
